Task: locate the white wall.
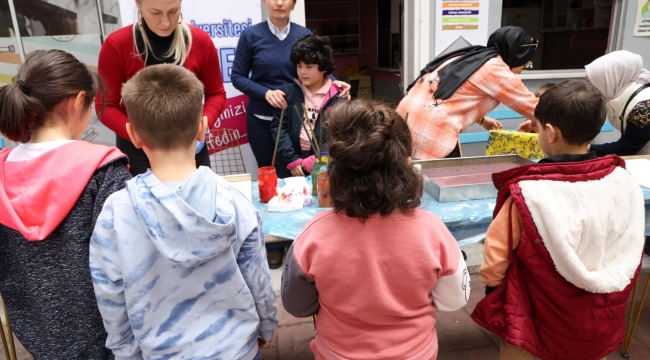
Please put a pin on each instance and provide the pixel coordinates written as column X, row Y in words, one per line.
column 298, row 13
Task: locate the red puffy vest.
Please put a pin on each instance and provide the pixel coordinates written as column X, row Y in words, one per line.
column 535, row 307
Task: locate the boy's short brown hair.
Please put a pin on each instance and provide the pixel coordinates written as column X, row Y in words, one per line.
column 575, row 107
column 164, row 104
column 369, row 146
column 543, row 88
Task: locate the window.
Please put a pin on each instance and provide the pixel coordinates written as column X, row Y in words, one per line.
column 73, row 26
column 389, row 49
column 9, row 53
column 339, row 20
column 572, row 33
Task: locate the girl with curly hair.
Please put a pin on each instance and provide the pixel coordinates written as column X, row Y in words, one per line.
column 396, row 265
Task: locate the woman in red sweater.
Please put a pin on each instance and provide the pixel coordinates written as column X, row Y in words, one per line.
column 159, row 37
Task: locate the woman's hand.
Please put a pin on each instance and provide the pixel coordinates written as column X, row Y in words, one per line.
column 344, row 87
column 491, row 124
column 297, row 171
column 276, row 99
column 527, row 126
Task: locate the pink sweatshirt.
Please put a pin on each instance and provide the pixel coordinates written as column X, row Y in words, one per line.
column 376, row 286
column 314, row 104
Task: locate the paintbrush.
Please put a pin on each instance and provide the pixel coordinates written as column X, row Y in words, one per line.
column 277, row 139
column 313, row 136
column 302, row 120
column 320, row 136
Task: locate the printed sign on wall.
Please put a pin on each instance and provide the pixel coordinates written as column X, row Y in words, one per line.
column 455, row 18
column 642, row 23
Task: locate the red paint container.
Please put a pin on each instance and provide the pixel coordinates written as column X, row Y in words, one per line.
column 267, row 181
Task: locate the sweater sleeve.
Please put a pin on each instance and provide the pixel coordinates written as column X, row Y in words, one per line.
column 299, row 293
column 111, row 69
column 255, row 269
column 495, row 247
column 635, row 137
column 451, row 292
column 497, row 81
column 242, row 68
column 452, row 288
column 109, row 288
column 212, row 79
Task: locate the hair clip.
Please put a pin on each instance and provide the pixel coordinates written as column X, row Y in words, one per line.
column 23, row 86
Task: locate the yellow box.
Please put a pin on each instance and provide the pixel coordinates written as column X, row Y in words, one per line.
column 501, row 142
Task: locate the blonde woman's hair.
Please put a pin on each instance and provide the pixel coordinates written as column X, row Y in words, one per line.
column 179, row 49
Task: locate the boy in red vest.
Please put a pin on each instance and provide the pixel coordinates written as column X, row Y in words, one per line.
column 563, row 251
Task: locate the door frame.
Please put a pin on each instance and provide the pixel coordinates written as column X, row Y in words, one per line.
column 416, row 39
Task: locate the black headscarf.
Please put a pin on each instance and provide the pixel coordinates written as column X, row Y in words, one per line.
column 506, row 42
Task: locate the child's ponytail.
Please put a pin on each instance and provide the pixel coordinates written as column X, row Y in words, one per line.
column 44, row 80
column 18, row 111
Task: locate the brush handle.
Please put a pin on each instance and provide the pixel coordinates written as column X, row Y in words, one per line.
column 277, row 139
column 313, row 135
column 302, row 120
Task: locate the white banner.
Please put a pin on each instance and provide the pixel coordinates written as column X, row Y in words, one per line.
column 223, row 21
column 461, row 18
column 642, row 23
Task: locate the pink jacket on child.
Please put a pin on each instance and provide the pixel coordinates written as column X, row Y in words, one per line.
column 376, row 285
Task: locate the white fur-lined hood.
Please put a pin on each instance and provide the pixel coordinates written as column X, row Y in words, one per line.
column 593, row 230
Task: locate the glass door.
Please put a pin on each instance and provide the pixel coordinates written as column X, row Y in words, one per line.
column 74, row 26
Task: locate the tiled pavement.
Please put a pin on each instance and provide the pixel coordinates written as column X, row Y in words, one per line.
column 459, row 337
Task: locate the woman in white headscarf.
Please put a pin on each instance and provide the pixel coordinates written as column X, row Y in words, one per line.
column 624, row 82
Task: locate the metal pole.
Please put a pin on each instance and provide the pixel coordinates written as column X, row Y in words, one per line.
column 101, row 21
column 19, row 40
column 617, row 25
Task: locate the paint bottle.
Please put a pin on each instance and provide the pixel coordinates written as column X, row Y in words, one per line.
column 323, row 157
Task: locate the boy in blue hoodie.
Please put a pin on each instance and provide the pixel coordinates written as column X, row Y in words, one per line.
column 177, row 258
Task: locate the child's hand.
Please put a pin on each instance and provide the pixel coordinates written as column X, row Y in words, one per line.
column 263, row 344
column 297, row 171
column 344, row 87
